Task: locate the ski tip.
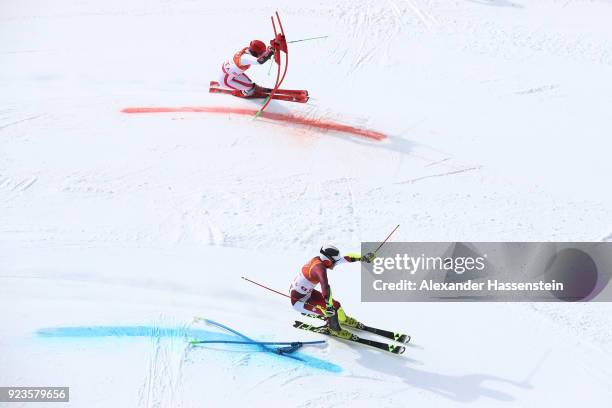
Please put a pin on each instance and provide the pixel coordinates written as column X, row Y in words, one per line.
column 402, row 338
column 397, row 349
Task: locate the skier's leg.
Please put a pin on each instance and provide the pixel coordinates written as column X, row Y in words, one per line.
column 245, row 77
column 311, row 303
column 222, row 78
column 300, row 306
column 244, row 80
column 299, row 300
column 320, row 306
column 316, row 303
column 227, row 82
column 341, row 315
column 241, row 83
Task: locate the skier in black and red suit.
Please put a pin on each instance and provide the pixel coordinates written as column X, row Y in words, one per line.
column 306, row 299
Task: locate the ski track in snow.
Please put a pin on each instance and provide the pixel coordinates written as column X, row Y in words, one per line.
column 449, row 173
column 16, row 186
column 20, row 121
column 163, row 381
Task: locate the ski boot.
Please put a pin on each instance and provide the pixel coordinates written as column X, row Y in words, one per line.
column 333, row 325
column 251, row 91
column 347, row 320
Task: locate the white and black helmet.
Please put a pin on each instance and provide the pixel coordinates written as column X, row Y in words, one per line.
column 330, row 253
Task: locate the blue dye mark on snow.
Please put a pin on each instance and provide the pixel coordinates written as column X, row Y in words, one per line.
column 129, row 331
column 175, row 332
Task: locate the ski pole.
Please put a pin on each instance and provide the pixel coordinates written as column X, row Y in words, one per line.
column 260, row 111
column 386, row 239
column 267, row 343
column 265, row 287
column 307, row 39
column 276, row 291
column 283, row 349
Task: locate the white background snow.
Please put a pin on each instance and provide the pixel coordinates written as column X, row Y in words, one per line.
column 498, row 121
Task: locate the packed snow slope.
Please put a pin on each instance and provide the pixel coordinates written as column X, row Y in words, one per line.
column 116, row 229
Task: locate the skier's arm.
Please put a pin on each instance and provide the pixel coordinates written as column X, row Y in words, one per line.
column 321, row 275
column 263, row 58
column 353, row 257
column 248, row 59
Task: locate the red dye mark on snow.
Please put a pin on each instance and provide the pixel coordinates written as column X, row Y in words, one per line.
column 280, row 117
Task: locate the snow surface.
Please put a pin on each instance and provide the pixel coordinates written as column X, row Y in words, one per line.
column 116, row 230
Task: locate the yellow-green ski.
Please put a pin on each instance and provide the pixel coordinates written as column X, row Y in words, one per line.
column 347, row 335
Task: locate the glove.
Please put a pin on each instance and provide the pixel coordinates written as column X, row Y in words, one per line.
column 368, row 258
column 266, row 55
column 275, row 43
column 353, row 257
column 330, row 311
column 279, row 42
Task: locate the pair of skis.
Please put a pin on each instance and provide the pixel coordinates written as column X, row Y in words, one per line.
column 290, row 95
column 347, row 335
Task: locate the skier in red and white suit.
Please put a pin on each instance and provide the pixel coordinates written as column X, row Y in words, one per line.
column 233, row 71
column 306, row 299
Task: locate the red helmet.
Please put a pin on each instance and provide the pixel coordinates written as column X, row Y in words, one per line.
column 257, row 47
